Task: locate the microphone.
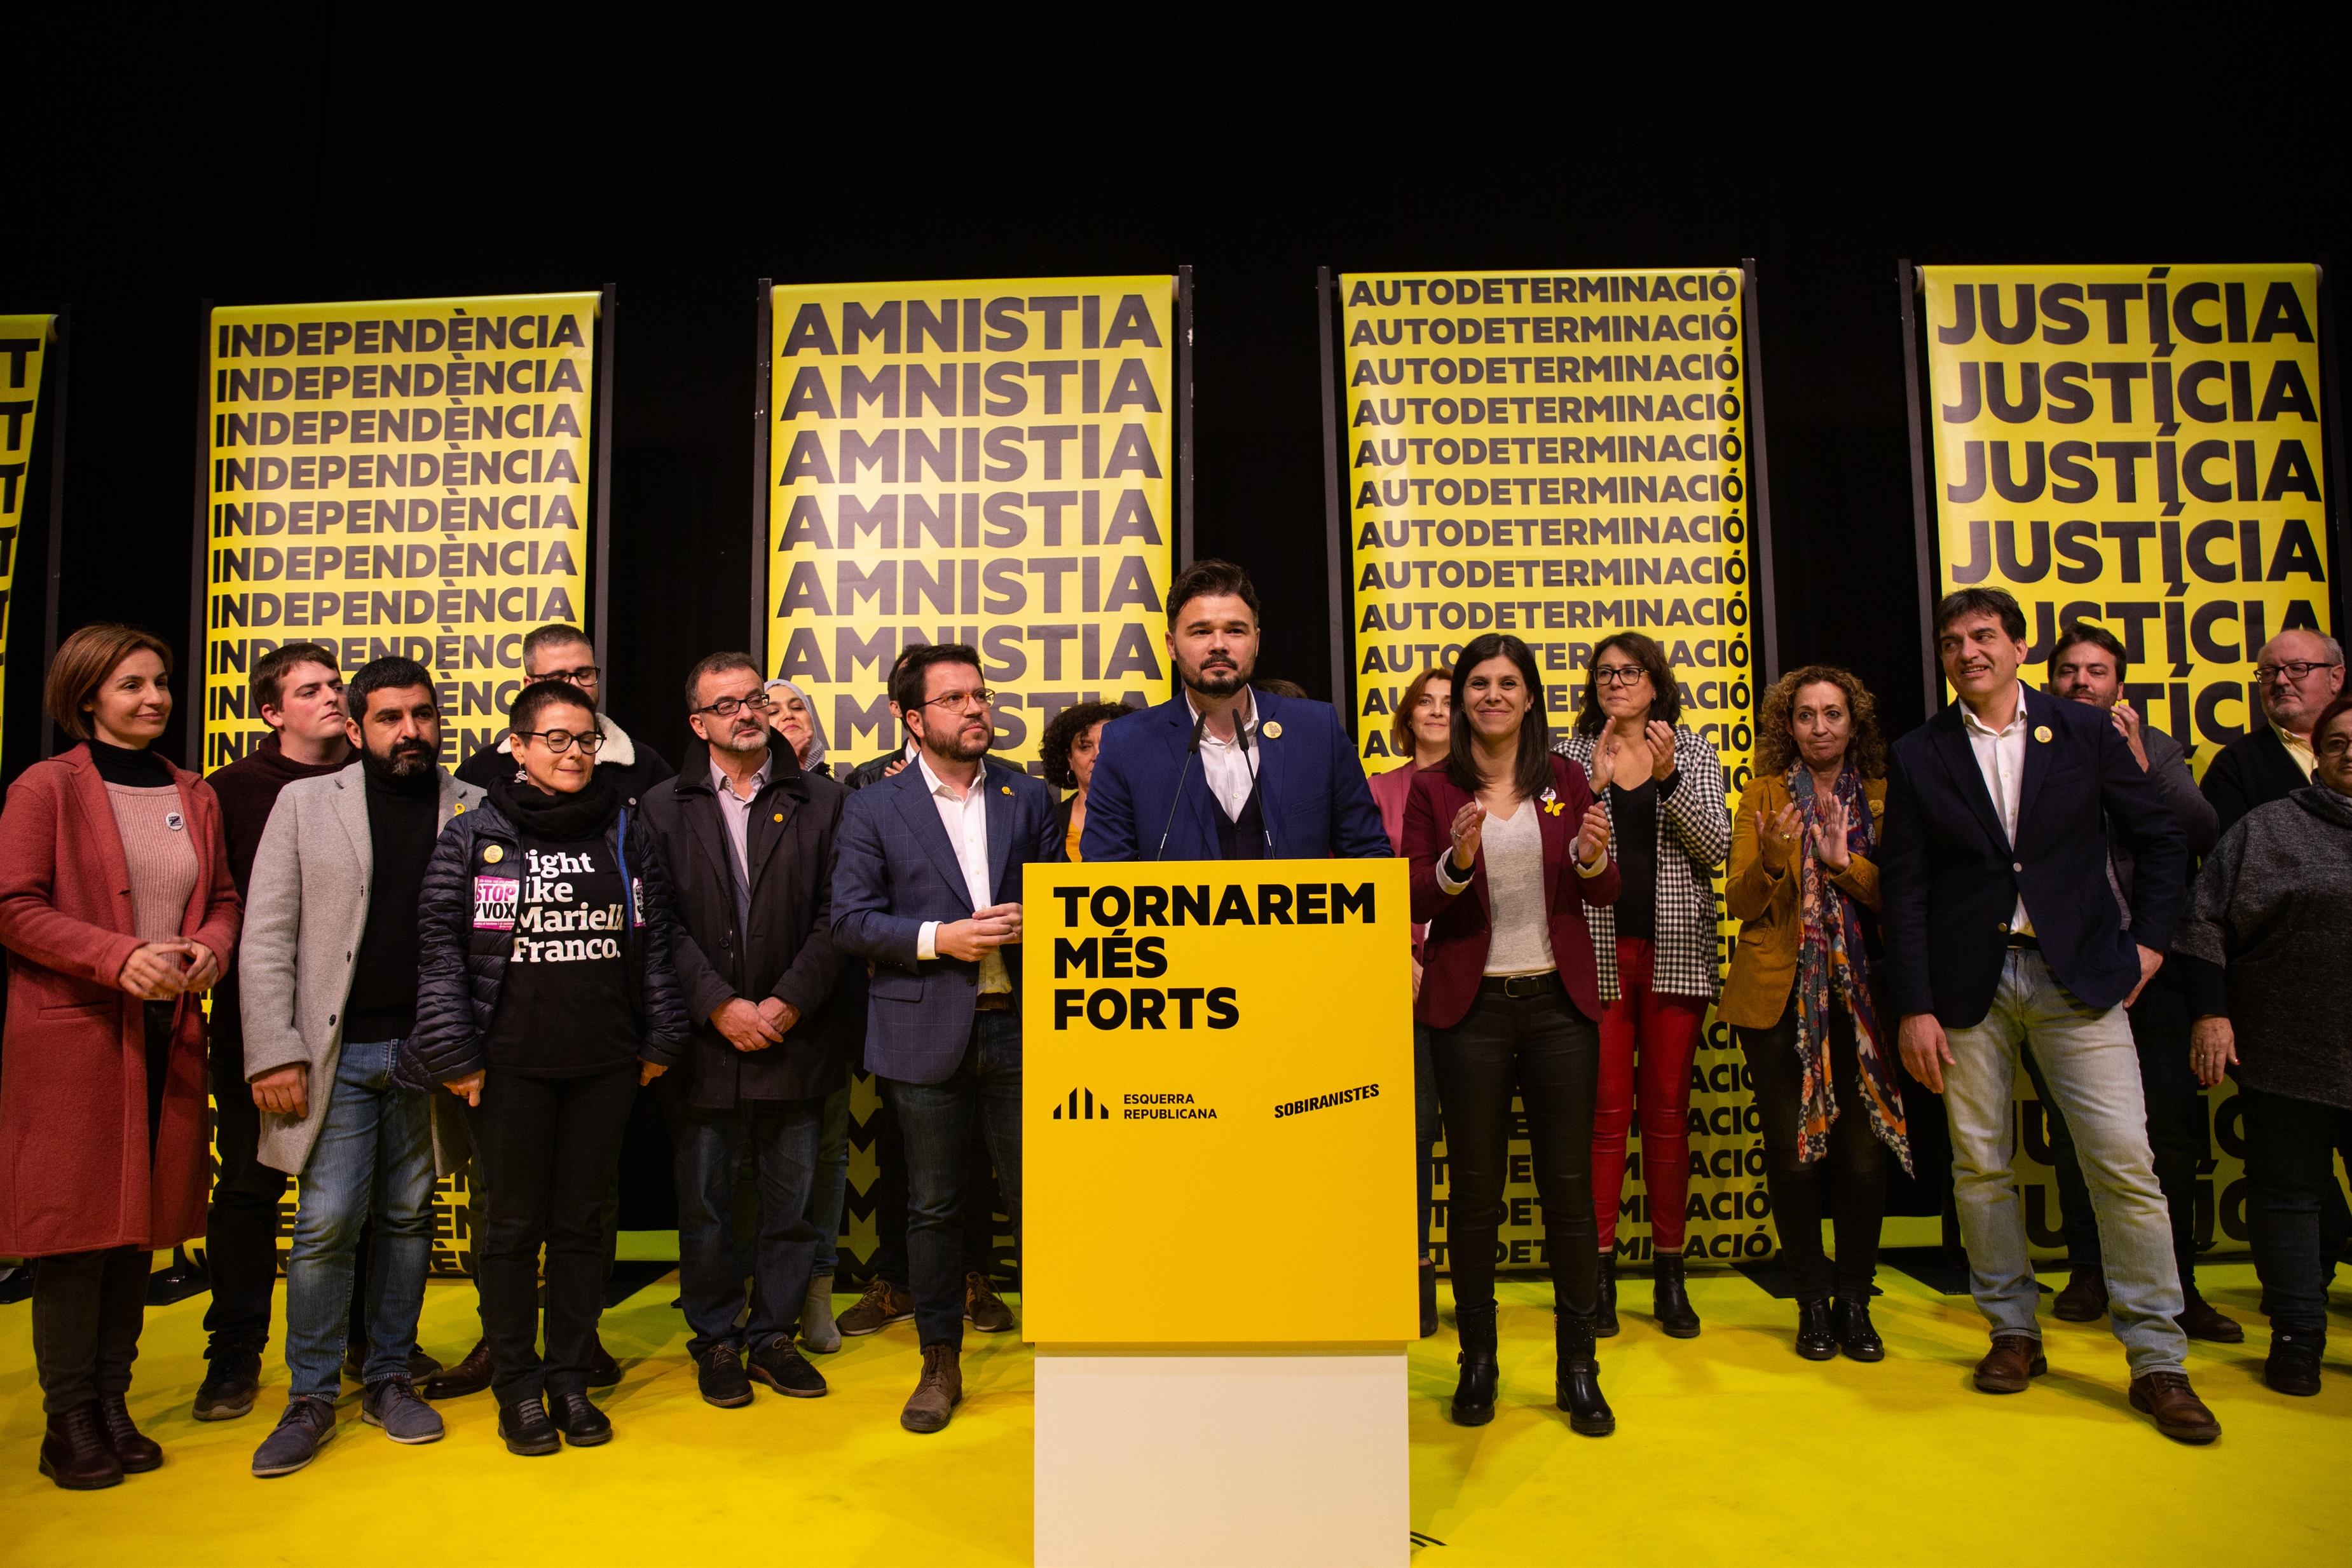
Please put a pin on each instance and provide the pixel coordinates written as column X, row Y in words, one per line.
column 1265, row 815
column 1192, row 750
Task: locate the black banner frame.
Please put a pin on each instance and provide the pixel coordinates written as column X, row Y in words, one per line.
column 57, row 368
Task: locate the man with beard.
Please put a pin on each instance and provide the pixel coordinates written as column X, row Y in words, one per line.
column 2088, row 665
column 1278, row 778
column 926, row 888
column 329, row 972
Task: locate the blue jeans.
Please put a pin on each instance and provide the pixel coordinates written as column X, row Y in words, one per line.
column 830, row 1190
column 372, row 1159
column 781, row 1142
column 2091, row 1069
column 937, row 1121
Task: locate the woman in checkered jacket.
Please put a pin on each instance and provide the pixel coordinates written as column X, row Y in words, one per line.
column 1662, row 784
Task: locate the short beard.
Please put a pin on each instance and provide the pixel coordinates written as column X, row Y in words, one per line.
column 407, row 761
column 1199, row 680
column 954, row 748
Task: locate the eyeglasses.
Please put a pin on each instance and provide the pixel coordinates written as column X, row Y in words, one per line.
column 728, row 707
column 2297, row 670
column 585, row 675
column 563, row 741
column 1618, row 674
column 952, row 700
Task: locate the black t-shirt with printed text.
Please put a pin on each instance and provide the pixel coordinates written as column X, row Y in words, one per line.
column 565, row 1008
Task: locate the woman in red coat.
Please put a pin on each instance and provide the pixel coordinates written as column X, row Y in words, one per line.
column 1508, row 848
column 117, row 912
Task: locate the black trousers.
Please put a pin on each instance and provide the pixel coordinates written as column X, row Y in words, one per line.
column 980, row 1210
column 551, row 1150
column 2176, row 1131
column 1849, row 1183
column 1550, row 1053
column 241, row 1229
column 88, row 1310
column 2292, row 1147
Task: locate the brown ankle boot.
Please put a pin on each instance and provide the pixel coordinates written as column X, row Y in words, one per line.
column 938, row 1393
column 2085, row 1299
column 133, row 1449
column 75, row 1453
column 2179, row 1414
column 2013, row 1360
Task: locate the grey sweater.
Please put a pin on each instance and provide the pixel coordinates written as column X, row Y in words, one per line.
column 2273, row 908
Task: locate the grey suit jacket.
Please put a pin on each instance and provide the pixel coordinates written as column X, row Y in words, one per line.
column 305, row 911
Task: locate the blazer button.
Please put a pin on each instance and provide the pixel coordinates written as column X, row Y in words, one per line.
column 2017, row 866
column 2002, row 928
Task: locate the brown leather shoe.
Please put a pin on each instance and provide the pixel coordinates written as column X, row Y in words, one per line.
column 603, row 1372
column 135, row 1451
column 2201, row 1318
column 882, row 1304
column 2085, row 1299
column 2014, row 1360
column 471, row 1375
column 940, row 1392
column 75, row 1453
column 2179, row 1414
column 983, row 1309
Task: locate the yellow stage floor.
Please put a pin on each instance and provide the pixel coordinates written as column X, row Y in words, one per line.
column 1730, row 1450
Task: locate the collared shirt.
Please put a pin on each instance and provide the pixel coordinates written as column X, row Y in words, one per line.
column 2001, row 758
column 966, row 821
column 2298, row 750
column 735, row 816
column 1232, row 776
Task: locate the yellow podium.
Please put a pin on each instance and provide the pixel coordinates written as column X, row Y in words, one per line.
column 1218, row 1240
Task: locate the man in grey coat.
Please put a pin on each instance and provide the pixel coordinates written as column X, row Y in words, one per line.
column 2088, row 665
column 329, row 979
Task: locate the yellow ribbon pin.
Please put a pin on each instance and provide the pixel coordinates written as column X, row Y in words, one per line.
column 2042, row 733
column 1272, row 729
column 1005, row 788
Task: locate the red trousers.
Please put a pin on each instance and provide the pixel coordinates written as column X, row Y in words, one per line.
column 1647, row 1043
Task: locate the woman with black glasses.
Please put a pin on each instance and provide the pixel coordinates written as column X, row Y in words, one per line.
column 1507, row 984
column 546, row 997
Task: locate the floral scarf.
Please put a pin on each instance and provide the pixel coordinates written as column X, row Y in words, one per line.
column 1830, row 953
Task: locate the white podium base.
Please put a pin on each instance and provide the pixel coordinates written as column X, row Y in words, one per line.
column 1178, row 1461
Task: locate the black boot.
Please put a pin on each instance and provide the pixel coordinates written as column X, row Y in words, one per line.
column 1579, row 1379
column 1816, row 1340
column 1604, row 1322
column 1670, row 1301
column 1428, row 1298
column 1474, row 1397
column 1856, row 1334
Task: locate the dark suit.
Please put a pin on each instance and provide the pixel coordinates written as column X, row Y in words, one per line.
column 1311, row 787
column 1950, row 881
column 2252, row 770
column 948, row 1066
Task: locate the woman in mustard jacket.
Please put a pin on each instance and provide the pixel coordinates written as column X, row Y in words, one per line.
column 1803, row 882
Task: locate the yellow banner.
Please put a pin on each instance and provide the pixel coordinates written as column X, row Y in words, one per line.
column 982, row 462
column 1561, row 455
column 24, row 345
column 405, row 476
column 1206, row 1044
column 2138, row 446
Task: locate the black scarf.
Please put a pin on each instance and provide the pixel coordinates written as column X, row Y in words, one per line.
column 558, row 819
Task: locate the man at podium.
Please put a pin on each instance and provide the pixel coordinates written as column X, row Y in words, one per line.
column 1221, row 772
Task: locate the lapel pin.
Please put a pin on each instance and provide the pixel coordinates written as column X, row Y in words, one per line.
column 493, row 854
column 2042, row 733
column 780, row 816
column 1272, row 728
column 458, row 810
column 1005, row 789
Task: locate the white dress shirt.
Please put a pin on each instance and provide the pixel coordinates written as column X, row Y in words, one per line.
column 2000, row 758
column 1231, row 775
column 966, row 821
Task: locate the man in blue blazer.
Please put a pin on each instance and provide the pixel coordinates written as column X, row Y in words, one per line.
column 2003, row 933
column 1222, row 771
column 926, row 888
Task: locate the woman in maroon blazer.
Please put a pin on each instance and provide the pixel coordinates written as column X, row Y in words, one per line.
column 117, row 912
column 1508, row 848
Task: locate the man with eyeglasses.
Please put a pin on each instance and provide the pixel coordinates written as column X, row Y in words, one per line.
column 747, row 837
column 926, row 888
column 2296, row 674
column 561, row 653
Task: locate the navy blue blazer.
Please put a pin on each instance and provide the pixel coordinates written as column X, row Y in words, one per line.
column 1949, row 879
column 1310, row 784
column 893, row 869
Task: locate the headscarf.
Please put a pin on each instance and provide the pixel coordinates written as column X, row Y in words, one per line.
column 1831, row 951
column 812, row 762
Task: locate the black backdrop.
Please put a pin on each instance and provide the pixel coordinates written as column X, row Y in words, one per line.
column 368, row 151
